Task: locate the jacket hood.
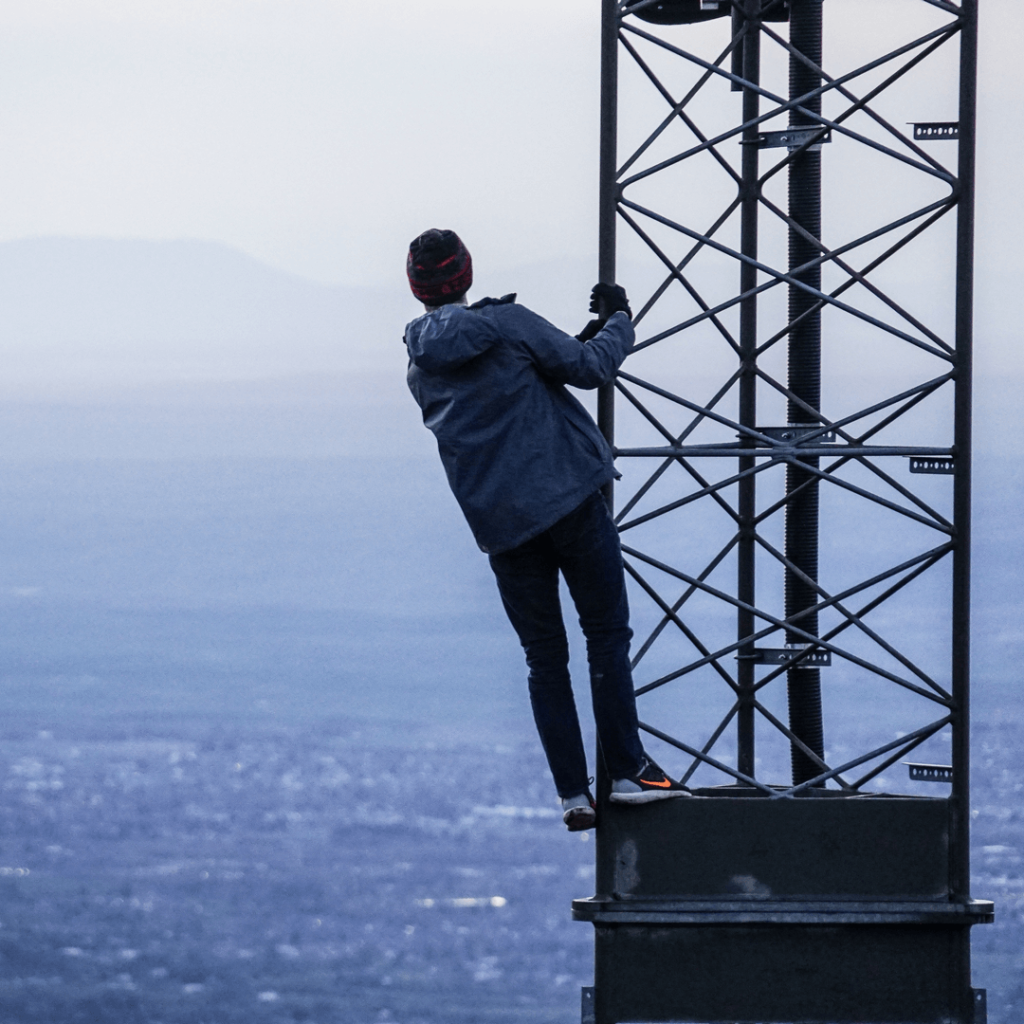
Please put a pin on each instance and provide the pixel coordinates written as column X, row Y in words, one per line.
column 451, row 336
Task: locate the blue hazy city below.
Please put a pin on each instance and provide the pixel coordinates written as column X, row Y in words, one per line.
column 266, row 756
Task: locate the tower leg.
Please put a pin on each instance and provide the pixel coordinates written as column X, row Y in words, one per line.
column 804, row 684
column 750, row 69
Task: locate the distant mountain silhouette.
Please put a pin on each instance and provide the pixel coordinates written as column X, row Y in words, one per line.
column 184, row 309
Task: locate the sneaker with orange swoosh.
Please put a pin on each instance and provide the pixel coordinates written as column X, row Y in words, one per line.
column 649, row 784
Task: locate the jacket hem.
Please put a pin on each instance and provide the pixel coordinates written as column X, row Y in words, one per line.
column 564, row 508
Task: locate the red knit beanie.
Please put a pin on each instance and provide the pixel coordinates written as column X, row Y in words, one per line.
column 439, row 266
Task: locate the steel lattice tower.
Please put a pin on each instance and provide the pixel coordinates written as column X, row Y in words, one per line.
column 794, row 431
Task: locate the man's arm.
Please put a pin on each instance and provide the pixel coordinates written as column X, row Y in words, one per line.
column 562, row 358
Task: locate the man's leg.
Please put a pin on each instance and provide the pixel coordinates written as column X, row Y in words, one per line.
column 528, row 583
column 589, row 555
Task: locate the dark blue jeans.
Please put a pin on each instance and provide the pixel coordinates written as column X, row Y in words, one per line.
column 584, row 547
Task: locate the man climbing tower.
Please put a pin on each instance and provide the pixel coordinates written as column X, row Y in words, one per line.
column 527, row 463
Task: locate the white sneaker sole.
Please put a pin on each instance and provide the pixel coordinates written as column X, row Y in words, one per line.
column 647, row 796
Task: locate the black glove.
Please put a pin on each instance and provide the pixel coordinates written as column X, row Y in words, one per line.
column 590, row 330
column 606, row 299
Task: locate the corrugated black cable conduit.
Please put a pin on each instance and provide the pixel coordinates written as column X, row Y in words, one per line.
column 804, row 684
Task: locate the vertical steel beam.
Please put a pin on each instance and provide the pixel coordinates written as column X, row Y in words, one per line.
column 960, row 864
column 736, row 57
column 608, row 192
column 750, row 51
column 804, row 684
column 608, row 198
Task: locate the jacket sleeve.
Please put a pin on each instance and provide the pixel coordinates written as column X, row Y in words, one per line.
column 564, row 359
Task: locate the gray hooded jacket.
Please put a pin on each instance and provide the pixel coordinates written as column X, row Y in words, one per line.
column 519, row 450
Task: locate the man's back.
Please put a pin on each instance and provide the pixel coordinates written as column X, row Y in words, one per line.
column 519, row 450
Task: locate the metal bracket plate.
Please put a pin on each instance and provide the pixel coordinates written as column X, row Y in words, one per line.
column 929, row 465
column 793, row 138
column 587, row 1015
column 796, row 433
column 782, row 655
column 980, row 1000
column 936, row 129
column 930, row 772
column 677, row 12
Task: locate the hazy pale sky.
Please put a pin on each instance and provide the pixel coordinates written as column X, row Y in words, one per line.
column 321, row 135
